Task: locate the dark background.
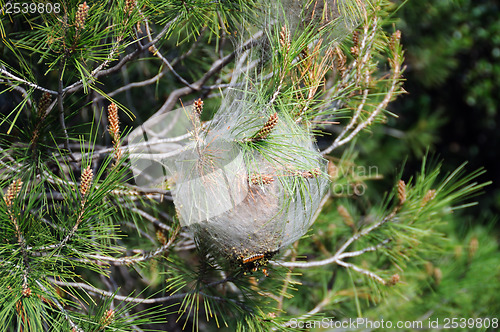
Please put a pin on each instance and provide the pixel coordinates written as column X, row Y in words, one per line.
column 453, row 84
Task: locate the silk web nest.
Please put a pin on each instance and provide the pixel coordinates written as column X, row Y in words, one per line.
column 248, row 182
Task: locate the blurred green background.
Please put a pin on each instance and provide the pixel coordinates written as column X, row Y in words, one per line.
column 450, row 112
column 453, row 84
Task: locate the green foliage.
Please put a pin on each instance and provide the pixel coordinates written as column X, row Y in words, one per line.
column 457, row 282
column 85, row 248
column 452, row 58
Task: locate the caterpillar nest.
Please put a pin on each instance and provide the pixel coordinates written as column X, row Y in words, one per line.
column 248, row 182
column 243, row 195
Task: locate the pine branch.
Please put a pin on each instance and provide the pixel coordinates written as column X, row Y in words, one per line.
column 101, row 292
column 62, row 121
column 214, row 69
column 128, row 260
column 86, row 182
column 336, row 258
column 152, row 80
column 9, row 198
column 365, row 250
column 370, row 274
column 156, row 52
column 395, row 63
column 73, row 325
column 30, row 84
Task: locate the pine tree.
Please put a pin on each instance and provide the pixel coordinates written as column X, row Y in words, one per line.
column 194, row 219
